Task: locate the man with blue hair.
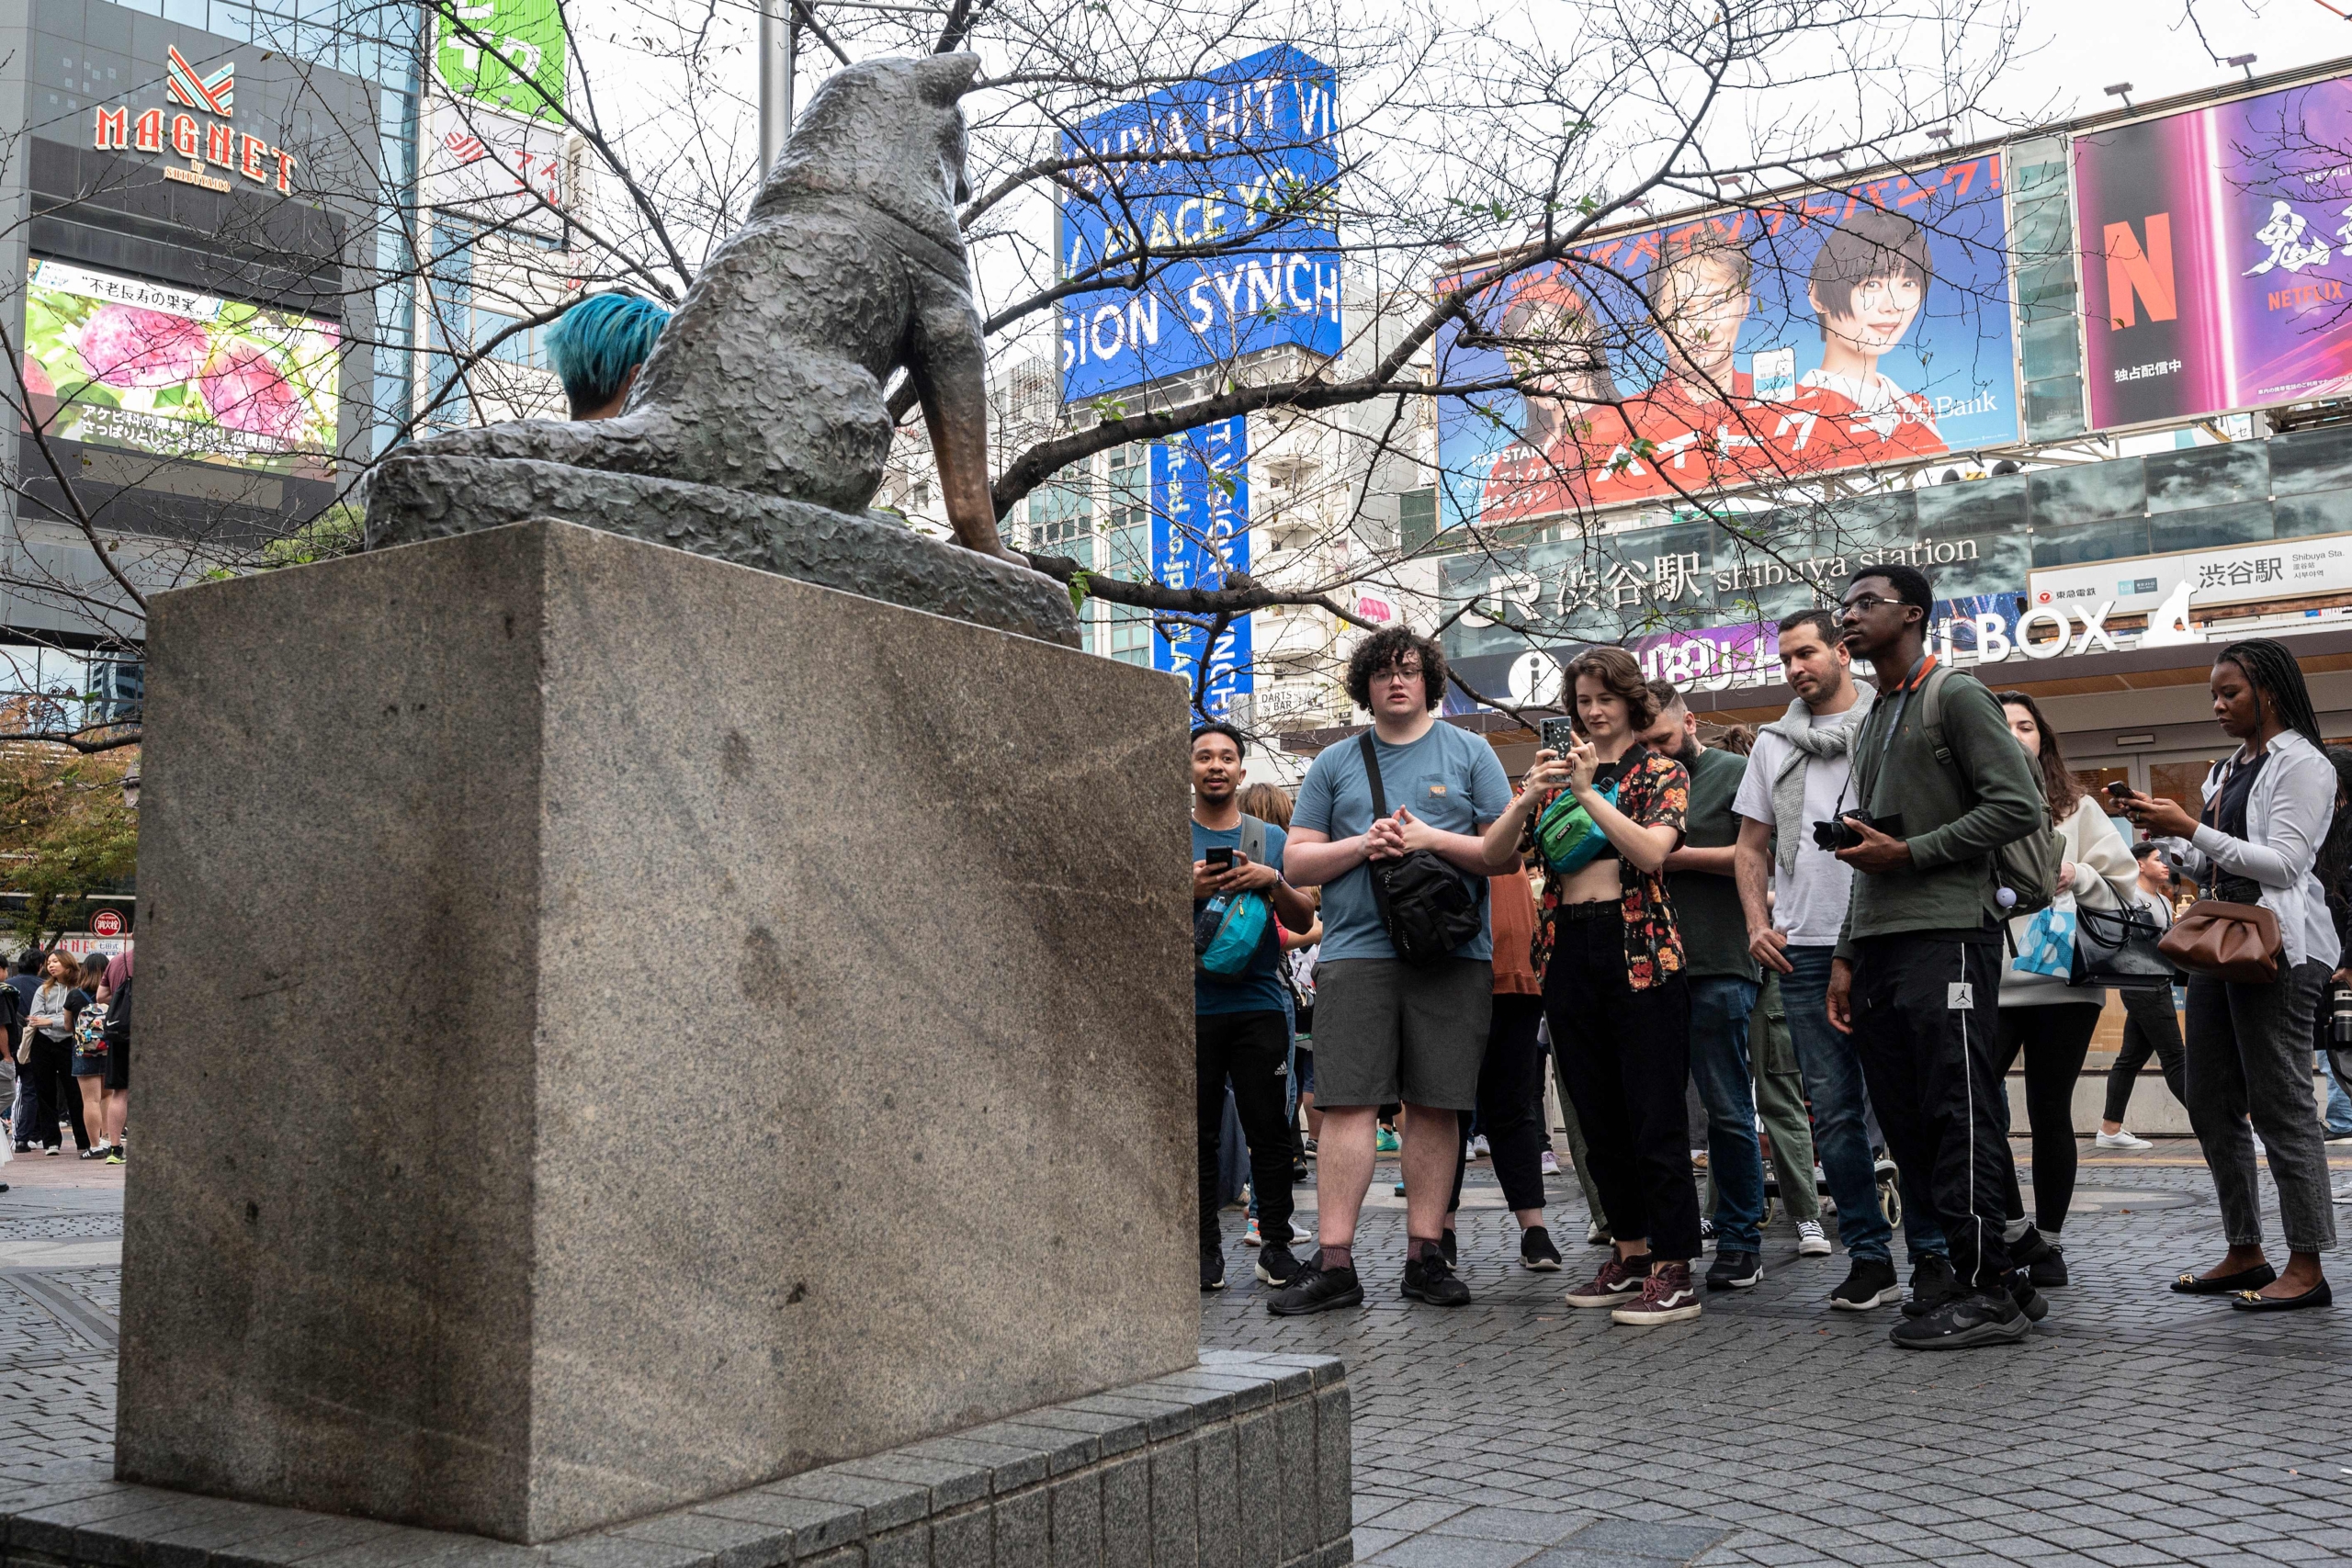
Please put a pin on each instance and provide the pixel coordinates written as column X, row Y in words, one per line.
column 598, row 348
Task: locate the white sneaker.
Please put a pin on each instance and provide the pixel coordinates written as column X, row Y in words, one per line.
column 1479, row 1147
column 1596, row 1236
column 2122, row 1139
column 1811, row 1240
column 1251, row 1235
column 1706, row 1234
column 1551, row 1162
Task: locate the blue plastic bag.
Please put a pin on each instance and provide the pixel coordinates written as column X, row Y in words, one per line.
column 2048, row 945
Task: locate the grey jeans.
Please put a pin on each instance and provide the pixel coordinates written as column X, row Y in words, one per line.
column 2247, row 1056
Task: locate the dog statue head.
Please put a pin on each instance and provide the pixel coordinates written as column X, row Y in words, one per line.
column 889, row 131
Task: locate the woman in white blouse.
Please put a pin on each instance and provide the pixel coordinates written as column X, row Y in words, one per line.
column 2044, row 1018
column 2267, row 807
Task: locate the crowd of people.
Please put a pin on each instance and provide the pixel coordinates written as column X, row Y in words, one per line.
column 1845, row 927
column 66, row 1022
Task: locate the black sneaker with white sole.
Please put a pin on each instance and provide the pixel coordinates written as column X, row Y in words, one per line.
column 1536, row 1252
column 1987, row 1317
column 1734, row 1270
column 1276, row 1267
column 1932, row 1284
column 2031, row 1301
column 1212, row 1269
column 1430, row 1278
column 1317, row 1290
column 1869, row 1283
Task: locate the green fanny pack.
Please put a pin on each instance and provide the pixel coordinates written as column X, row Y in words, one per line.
column 1567, row 836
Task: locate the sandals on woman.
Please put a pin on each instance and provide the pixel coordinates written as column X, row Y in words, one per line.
column 2245, row 1280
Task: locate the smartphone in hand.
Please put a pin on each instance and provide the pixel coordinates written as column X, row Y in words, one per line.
column 1558, row 735
column 1220, row 859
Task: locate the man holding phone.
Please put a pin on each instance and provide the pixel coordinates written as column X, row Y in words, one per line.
column 1239, row 1029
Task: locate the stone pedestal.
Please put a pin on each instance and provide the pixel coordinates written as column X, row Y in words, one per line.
column 622, row 1028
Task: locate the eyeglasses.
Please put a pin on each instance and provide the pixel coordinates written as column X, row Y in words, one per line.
column 1863, row 603
column 1399, row 672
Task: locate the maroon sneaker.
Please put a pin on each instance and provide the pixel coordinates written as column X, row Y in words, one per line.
column 1668, row 1296
column 1619, row 1281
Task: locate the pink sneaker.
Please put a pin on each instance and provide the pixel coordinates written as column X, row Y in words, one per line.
column 1668, row 1296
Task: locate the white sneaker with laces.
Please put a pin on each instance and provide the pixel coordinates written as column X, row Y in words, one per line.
column 1480, row 1148
column 1811, row 1240
column 2123, row 1138
column 1551, row 1162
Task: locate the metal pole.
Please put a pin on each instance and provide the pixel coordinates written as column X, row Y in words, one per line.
column 779, row 46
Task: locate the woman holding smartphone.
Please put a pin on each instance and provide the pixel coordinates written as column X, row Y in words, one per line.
column 1611, row 956
column 2267, row 811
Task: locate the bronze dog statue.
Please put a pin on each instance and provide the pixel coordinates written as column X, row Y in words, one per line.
column 769, row 378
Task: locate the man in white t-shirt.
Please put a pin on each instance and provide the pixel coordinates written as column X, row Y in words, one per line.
column 1797, row 776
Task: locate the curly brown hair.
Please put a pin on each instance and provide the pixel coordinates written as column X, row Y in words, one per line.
column 1388, row 647
column 1619, row 677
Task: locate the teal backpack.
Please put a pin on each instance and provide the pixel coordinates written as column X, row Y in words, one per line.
column 1230, row 927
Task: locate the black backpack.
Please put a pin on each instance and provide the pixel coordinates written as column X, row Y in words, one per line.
column 1429, row 908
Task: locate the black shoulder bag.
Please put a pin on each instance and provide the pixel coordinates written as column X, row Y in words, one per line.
column 1429, row 908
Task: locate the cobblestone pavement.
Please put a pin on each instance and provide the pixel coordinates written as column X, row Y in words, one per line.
column 2134, row 1427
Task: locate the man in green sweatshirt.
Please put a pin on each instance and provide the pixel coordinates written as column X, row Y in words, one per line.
column 1916, row 975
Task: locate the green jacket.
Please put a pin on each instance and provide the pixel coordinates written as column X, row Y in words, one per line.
column 1954, row 814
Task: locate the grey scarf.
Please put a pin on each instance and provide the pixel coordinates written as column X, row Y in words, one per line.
column 1805, row 743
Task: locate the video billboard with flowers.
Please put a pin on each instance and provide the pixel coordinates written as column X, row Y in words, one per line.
column 118, row 361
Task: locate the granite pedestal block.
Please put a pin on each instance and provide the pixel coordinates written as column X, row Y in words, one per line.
column 418, row 498
column 623, row 1027
column 1241, row 1462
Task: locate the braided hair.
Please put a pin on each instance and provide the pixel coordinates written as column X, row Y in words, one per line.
column 2335, row 867
column 2277, row 679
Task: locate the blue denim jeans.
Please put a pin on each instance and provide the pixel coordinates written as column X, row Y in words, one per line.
column 1833, row 1084
column 1720, row 1006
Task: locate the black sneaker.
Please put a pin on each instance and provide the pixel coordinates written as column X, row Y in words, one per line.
column 1276, row 1267
column 1979, row 1318
column 2049, row 1270
column 1212, row 1269
column 1734, row 1270
column 1446, row 1244
column 1317, row 1290
column 1932, row 1284
column 1431, row 1278
column 2029, row 1249
column 1299, row 1174
column 2030, row 1302
column 1869, row 1283
column 1536, row 1252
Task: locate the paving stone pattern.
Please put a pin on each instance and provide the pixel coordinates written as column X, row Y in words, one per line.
column 2134, row 1427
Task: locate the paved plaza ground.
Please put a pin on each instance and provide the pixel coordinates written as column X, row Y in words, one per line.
column 2136, row 1426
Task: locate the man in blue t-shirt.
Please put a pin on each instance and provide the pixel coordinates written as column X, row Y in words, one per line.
column 1240, row 1030
column 1385, row 1030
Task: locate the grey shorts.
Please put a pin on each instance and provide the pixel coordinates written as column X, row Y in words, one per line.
column 1386, row 1031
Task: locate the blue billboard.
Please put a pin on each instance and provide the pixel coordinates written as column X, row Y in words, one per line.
column 1200, row 536
column 1241, row 157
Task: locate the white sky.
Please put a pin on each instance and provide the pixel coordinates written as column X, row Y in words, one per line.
column 2073, row 49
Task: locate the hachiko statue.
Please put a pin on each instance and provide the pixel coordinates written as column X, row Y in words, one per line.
column 757, row 430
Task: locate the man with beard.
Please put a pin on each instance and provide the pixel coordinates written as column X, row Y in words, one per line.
column 1724, row 981
column 1240, row 1028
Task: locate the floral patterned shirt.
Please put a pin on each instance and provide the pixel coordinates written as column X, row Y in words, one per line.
column 1651, row 790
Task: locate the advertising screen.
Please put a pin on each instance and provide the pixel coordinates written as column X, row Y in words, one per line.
column 1244, row 153
column 1836, row 328
column 1200, row 536
column 118, row 361
column 2217, row 246
column 522, row 71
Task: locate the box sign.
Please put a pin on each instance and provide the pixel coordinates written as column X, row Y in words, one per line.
column 495, row 168
column 1814, row 332
column 152, row 367
column 507, row 53
column 2237, row 574
column 1200, row 537
column 2216, row 251
column 1242, row 154
column 193, row 125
